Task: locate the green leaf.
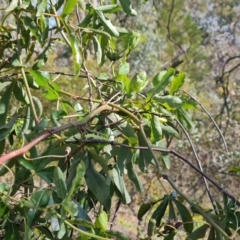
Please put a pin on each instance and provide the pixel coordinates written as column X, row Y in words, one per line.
column 13, row 4
column 169, row 131
column 98, row 50
column 69, row 6
column 199, row 233
column 70, row 207
column 4, row 84
column 97, row 158
column 40, row 198
column 41, row 8
column 124, row 69
column 108, row 8
column 83, row 219
column 77, row 59
column 96, row 183
column 170, row 102
column 185, row 215
column 25, row 163
column 177, row 82
column 160, row 211
column 156, row 129
column 127, row 7
column 144, row 208
column 132, row 175
column 6, row 129
column 19, row 93
column 158, row 77
column 145, row 156
column 46, row 174
column 57, row 116
column 119, row 182
column 138, row 82
column 102, row 221
column 162, row 82
column 117, row 235
column 107, row 25
column 82, row 5
column 77, row 177
column 45, row 232
column 39, row 78
column 11, row 231
column 171, row 210
column 59, row 180
column 4, row 104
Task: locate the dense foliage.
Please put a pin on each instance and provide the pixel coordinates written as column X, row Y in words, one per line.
column 70, row 154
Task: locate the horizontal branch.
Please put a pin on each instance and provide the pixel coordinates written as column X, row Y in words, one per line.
column 48, row 133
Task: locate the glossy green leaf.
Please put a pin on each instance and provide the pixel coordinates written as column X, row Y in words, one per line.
column 124, row 68
column 138, row 82
column 11, row 231
column 158, row 77
column 144, row 208
column 83, row 219
column 108, row 8
column 169, row 131
column 4, row 84
column 171, row 210
column 117, row 235
column 70, row 207
column 39, row 78
column 77, row 59
column 4, row 104
column 127, row 7
column 13, row 4
column 177, row 82
column 185, row 118
column 98, row 50
column 46, row 174
column 25, row 163
column 41, row 7
column 132, row 175
column 68, row 8
column 119, row 182
column 156, row 128
column 108, row 26
column 185, row 215
column 160, row 211
column 45, row 231
column 199, row 233
column 97, row 158
column 59, row 180
column 27, row 233
column 151, row 227
column 74, row 182
column 145, row 156
column 97, row 183
column 19, row 93
column 123, row 157
column 57, row 116
column 102, row 221
column 162, row 82
column 6, row 129
column 169, row 101
column 40, row 198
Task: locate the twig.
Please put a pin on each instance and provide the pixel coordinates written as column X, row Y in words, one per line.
column 209, row 115
column 199, row 165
